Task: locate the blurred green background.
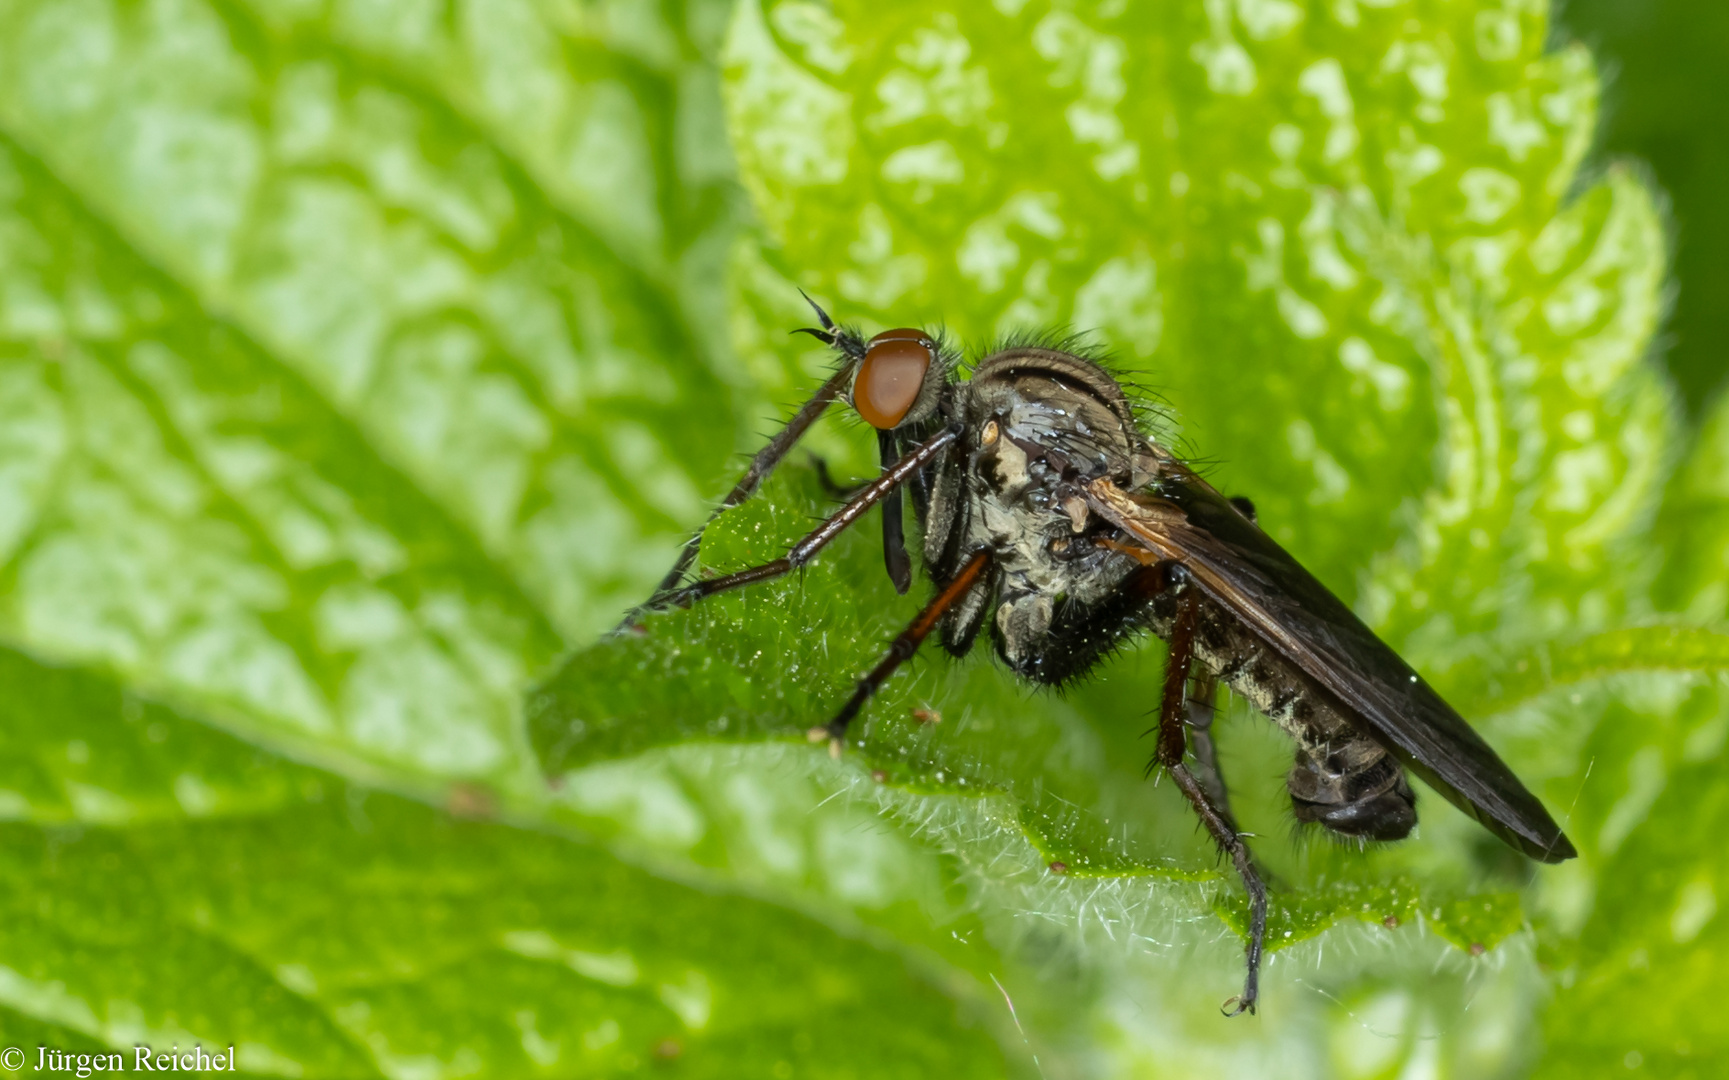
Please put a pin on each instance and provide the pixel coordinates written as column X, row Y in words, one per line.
column 361, row 361
column 1664, row 105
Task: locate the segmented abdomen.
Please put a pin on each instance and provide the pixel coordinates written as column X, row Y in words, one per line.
column 1343, row 779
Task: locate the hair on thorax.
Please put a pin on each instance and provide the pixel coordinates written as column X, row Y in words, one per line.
column 1155, row 415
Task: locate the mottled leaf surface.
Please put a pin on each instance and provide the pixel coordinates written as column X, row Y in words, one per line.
column 1357, row 256
column 1645, row 933
column 359, row 359
column 167, row 884
column 353, row 360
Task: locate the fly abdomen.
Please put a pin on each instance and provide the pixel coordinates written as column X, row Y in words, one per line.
column 1353, row 787
column 1343, row 780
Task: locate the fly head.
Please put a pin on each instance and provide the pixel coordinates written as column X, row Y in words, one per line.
column 897, row 382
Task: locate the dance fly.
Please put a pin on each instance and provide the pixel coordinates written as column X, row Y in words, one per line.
column 1054, row 524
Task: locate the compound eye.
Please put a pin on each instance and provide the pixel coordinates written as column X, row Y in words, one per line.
column 889, row 380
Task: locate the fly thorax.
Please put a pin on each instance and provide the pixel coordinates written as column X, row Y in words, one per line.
column 1003, row 525
column 1023, row 560
column 1003, row 466
column 1022, row 622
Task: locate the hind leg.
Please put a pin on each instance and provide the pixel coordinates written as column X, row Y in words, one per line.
column 1173, row 737
column 1199, row 712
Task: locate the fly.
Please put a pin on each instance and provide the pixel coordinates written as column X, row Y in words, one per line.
column 1033, row 483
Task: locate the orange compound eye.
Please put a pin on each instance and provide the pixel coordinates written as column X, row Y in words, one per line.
column 889, row 380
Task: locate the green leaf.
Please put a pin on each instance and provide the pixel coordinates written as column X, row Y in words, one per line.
column 1354, row 250
column 1645, row 936
column 333, row 383
column 336, row 393
column 1694, row 526
column 356, row 360
column 1687, row 650
column 1334, row 239
column 169, row 884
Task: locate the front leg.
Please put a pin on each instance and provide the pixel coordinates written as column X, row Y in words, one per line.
column 1171, row 746
column 902, row 649
column 806, row 549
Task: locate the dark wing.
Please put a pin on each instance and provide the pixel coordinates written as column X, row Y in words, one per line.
column 1240, row 567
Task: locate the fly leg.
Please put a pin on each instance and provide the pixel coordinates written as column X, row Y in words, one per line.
column 1203, row 709
column 902, row 650
column 806, row 549
column 835, row 489
column 760, row 466
column 895, row 557
column 835, row 389
column 1200, row 710
column 1172, row 740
